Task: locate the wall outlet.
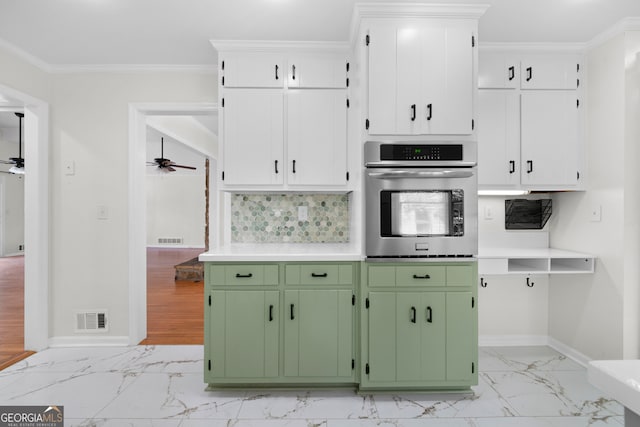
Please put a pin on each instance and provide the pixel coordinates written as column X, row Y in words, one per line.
column 103, row 212
column 69, row 167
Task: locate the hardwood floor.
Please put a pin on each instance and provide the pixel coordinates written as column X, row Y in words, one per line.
column 11, row 308
column 175, row 311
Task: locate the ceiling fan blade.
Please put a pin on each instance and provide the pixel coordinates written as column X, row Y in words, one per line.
column 7, row 162
column 183, row 166
column 169, row 168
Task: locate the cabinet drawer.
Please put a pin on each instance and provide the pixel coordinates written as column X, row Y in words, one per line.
column 318, row 274
column 243, row 274
column 460, row 275
column 409, row 275
column 420, row 276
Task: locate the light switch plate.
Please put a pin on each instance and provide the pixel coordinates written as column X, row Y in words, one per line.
column 70, row 167
column 596, row 213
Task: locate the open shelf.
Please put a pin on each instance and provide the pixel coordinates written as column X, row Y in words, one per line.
column 528, row 265
column 572, row 265
column 534, row 261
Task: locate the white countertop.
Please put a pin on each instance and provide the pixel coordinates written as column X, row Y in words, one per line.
column 284, row 252
column 620, row 379
column 529, row 253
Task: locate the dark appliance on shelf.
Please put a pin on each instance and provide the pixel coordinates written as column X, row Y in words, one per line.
column 525, row 214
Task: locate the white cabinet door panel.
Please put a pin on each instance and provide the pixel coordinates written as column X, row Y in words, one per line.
column 549, row 72
column 409, row 57
column 497, row 70
column 498, row 138
column 253, row 136
column 257, row 70
column 317, row 137
column 549, row 130
column 317, row 72
column 382, row 80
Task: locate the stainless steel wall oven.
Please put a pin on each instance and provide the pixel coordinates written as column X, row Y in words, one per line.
column 421, row 200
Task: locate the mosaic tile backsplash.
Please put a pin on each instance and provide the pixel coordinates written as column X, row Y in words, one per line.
column 273, row 218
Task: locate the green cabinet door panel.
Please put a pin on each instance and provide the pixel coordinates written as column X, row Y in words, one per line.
column 318, row 335
column 420, row 275
column 243, row 274
column 319, row 274
column 408, row 333
column 381, row 275
column 433, row 335
column 382, row 336
column 462, row 342
column 245, row 331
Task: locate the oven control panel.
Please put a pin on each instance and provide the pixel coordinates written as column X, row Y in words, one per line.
column 421, row 152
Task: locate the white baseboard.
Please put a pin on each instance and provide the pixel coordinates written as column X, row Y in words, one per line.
column 85, row 341
column 512, row 340
column 570, row 352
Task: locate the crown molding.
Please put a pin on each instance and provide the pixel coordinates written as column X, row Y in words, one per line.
column 534, row 47
column 280, row 46
column 626, row 24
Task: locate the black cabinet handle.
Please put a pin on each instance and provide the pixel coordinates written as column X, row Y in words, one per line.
column 512, row 166
column 271, row 313
column 529, row 166
column 512, row 73
column 413, row 112
column 319, row 275
column 413, row 315
column 294, row 166
column 292, row 316
column 426, row 276
column 529, row 73
column 276, row 166
column 429, row 111
column 293, row 72
column 277, row 78
column 244, row 276
column 429, row 315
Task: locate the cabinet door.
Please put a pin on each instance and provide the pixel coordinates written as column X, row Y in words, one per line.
column 498, row 138
column 549, row 132
column 317, row 137
column 382, row 336
column 497, row 70
column 448, row 83
column 318, row 333
column 317, row 72
column 253, row 137
column 255, row 70
column 244, row 334
column 559, row 71
column 462, row 338
column 410, row 46
column 382, row 79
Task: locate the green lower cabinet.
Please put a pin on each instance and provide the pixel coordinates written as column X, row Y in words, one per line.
column 244, row 334
column 318, row 333
column 422, row 339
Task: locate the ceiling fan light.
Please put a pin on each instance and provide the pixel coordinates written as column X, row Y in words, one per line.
column 17, row 170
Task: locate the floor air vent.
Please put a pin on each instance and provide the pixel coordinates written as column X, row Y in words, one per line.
column 169, row 240
column 91, row 321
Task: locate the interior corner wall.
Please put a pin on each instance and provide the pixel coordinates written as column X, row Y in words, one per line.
column 631, row 311
column 90, row 130
column 19, row 74
column 586, row 310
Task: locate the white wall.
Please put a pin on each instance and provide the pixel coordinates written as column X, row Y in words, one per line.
column 586, row 311
column 89, row 121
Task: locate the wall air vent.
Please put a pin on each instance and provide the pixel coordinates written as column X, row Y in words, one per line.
column 170, row 240
column 91, row 321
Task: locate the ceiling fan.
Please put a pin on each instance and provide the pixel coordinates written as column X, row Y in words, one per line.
column 166, row 165
column 17, row 162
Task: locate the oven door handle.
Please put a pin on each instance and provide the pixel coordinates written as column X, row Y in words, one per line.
column 421, row 174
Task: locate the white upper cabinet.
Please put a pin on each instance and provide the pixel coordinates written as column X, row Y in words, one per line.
column 549, row 130
column 319, row 71
column 497, row 70
column 317, row 137
column 255, row 70
column 253, row 137
column 498, row 138
column 421, row 77
column 549, row 71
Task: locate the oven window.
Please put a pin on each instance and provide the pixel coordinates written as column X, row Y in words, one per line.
column 421, row 213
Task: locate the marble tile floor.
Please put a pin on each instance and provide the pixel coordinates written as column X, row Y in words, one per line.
column 163, row 386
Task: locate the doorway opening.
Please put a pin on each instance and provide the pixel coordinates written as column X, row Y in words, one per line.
column 172, row 227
